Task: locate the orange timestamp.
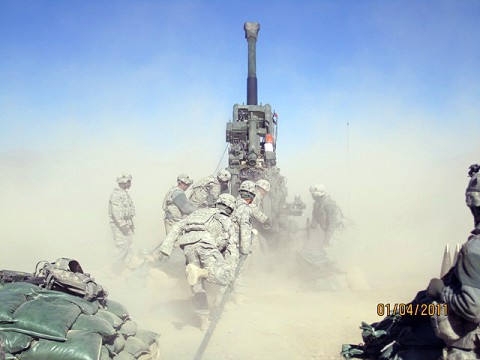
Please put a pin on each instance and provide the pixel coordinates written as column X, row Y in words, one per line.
column 412, row 309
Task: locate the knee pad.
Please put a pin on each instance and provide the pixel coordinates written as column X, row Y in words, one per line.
column 200, row 301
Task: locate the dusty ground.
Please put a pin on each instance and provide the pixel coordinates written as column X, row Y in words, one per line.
column 284, row 317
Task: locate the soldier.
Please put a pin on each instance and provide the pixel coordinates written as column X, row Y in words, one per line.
column 121, row 211
column 325, row 213
column 242, row 218
column 472, row 196
column 206, row 191
column 262, row 188
column 459, row 290
column 176, row 204
column 204, row 236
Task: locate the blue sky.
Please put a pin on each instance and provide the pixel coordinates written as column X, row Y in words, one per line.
column 151, row 68
column 89, row 89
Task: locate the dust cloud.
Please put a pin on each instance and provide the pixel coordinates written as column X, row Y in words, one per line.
column 403, row 192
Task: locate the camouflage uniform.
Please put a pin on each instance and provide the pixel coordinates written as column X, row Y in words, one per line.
column 326, row 214
column 204, row 236
column 257, row 208
column 205, row 192
column 472, row 199
column 176, row 207
column 121, row 211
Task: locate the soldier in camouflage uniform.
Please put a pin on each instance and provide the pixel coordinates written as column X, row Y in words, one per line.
column 242, row 218
column 262, row 188
column 205, row 236
column 176, row 204
column 206, row 191
column 121, row 211
column 472, row 196
column 325, row 213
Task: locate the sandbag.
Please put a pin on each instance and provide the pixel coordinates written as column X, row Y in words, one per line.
column 9, row 302
column 87, row 307
column 15, row 342
column 115, row 344
column 148, row 337
column 128, row 328
column 117, row 309
column 94, row 324
column 135, row 346
column 80, row 345
column 105, row 354
column 41, row 319
column 123, row 356
column 113, row 319
column 23, row 288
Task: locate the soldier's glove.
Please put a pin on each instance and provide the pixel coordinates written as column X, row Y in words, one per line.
column 267, row 224
column 125, row 229
column 435, row 287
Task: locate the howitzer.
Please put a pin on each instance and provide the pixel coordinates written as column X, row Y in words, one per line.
column 252, row 137
column 218, row 311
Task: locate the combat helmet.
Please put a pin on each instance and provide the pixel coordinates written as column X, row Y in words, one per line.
column 263, row 184
column 185, row 179
column 123, row 178
column 247, row 189
column 318, row 190
column 224, row 175
column 226, row 203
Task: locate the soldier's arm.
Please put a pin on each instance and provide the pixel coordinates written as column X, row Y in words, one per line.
column 172, row 237
column 463, row 301
column 183, row 204
column 258, row 213
column 118, row 210
column 245, row 233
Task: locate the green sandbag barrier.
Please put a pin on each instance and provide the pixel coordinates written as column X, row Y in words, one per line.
column 9, row 302
column 117, row 309
column 115, row 345
column 87, row 307
column 79, row 345
column 136, row 347
column 20, row 287
column 129, row 328
column 113, row 319
column 105, row 354
column 123, row 356
column 39, row 318
column 15, row 342
column 148, row 337
column 94, row 324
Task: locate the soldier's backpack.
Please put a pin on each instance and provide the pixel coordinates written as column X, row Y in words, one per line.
column 198, row 220
column 67, row 275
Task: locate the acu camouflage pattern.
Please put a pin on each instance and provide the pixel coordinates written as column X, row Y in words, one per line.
column 121, row 208
column 195, row 227
column 257, row 208
column 326, row 213
column 121, row 211
column 204, row 236
column 205, row 192
column 242, row 217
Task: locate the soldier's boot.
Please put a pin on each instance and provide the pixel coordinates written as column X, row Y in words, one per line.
column 193, row 272
column 204, row 321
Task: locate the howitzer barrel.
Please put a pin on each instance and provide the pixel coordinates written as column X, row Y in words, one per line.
column 251, row 34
